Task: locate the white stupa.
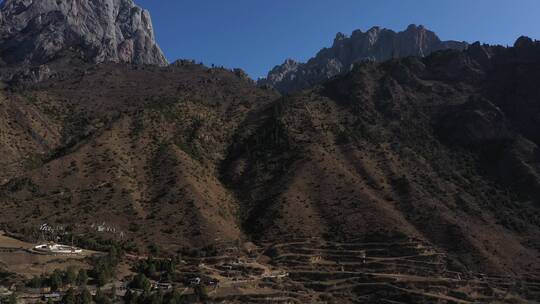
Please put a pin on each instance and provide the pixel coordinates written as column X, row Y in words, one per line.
column 52, row 248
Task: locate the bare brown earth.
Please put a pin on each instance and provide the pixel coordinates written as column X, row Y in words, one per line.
column 137, row 151
column 317, row 271
column 15, row 257
column 443, row 150
column 312, row 270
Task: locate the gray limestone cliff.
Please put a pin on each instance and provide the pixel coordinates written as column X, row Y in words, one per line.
column 377, row 44
column 36, row 32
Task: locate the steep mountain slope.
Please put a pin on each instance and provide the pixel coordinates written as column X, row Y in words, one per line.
column 440, row 149
column 133, row 149
column 34, row 33
column 443, row 149
column 376, row 44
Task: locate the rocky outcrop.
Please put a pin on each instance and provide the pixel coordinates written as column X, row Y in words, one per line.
column 377, row 44
column 36, row 32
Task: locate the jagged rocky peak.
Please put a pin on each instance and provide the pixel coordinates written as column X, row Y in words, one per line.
column 38, row 31
column 377, row 44
column 284, row 70
column 339, row 37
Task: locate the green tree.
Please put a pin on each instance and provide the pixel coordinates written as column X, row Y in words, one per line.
column 152, row 272
column 71, row 275
column 135, row 299
column 157, row 298
column 56, row 280
column 201, row 293
column 140, row 281
column 36, row 282
column 175, row 297
column 70, row 297
column 82, row 277
column 113, row 292
column 104, row 269
column 85, row 297
column 101, row 298
column 128, row 297
column 12, row 299
column 103, row 278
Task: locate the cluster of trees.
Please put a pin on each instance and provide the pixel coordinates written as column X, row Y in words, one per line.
column 102, row 273
column 162, row 269
column 105, row 267
column 96, row 242
column 174, row 297
column 140, row 281
column 159, row 269
column 59, row 279
column 73, row 296
column 12, row 299
column 85, row 297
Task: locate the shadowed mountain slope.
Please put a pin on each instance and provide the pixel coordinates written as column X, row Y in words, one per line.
column 443, row 149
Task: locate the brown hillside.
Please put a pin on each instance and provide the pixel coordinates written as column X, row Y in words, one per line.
column 135, row 148
column 443, row 150
column 435, row 149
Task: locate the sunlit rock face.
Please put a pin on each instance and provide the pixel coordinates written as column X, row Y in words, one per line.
column 39, row 31
column 377, row 44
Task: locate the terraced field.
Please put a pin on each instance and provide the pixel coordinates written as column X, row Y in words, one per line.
column 315, row 271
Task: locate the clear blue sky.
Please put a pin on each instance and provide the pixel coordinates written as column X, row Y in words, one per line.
column 256, row 35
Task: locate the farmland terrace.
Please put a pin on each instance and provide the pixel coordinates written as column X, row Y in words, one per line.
column 316, row 271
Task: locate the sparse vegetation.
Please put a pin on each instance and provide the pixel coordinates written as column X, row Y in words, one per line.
column 135, row 157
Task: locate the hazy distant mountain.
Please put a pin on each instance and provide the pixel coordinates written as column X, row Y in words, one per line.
column 37, row 31
column 377, row 44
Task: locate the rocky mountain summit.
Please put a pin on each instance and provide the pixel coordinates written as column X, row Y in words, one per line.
column 377, row 44
column 36, row 32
